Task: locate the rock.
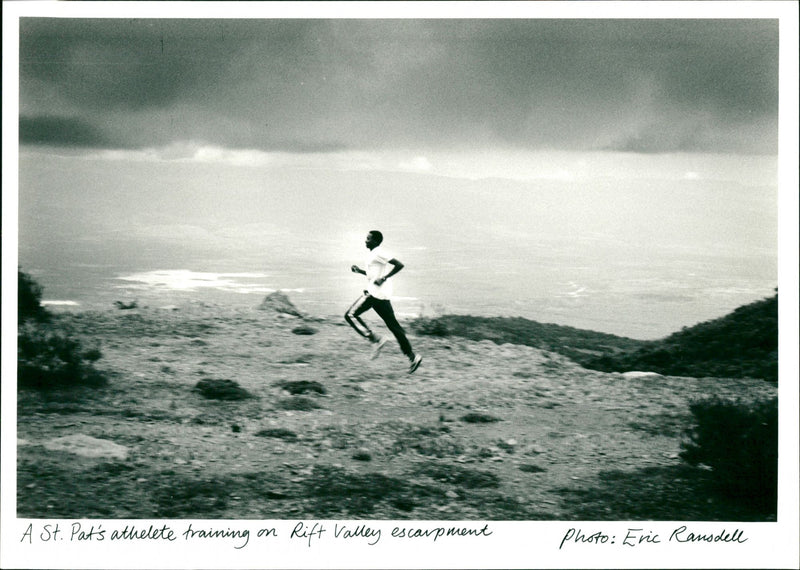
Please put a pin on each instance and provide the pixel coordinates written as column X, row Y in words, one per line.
column 362, row 455
column 87, row 446
column 279, row 302
column 451, row 494
column 637, row 374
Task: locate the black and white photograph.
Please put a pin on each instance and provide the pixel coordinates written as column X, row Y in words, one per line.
column 356, row 283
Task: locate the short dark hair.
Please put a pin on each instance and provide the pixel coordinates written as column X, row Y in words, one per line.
column 377, row 235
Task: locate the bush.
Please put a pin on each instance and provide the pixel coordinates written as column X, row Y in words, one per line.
column 224, row 389
column 739, row 441
column 479, row 418
column 46, row 357
column 50, row 359
column 29, row 299
column 430, row 327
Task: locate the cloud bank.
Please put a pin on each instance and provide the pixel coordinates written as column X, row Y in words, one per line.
column 324, row 86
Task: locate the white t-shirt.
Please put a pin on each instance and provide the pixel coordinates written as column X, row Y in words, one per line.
column 377, row 265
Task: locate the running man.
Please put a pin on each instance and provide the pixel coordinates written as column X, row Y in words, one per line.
column 380, row 266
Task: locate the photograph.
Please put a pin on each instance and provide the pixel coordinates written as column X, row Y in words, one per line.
column 353, row 284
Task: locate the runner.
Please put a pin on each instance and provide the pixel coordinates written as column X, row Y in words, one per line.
column 380, row 266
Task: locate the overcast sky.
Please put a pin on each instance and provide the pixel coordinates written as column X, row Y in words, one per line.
column 328, row 86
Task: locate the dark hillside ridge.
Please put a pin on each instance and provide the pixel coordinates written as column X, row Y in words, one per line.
column 578, row 344
column 742, row 344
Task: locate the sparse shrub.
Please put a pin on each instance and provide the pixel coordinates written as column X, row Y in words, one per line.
column 214, row 389
column 46, row 357
column 187, row 497
column 126, row 306
column 479, row 418
column 296, row 387
column 739, row 441
column 278, row 433
column 93, row 354
column 50, row 359
column 29, row 299
column 298, row 403
column 334, row 490
column 429, row 441
column 461, row 476
column 430, row 327
column 362, row 455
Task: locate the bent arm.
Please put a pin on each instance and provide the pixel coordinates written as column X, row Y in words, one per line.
column 396, row 267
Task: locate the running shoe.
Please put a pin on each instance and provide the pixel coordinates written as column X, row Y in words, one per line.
column 415, row 364
column 376, row 350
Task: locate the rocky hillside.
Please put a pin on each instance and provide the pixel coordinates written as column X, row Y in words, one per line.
column 211, row 412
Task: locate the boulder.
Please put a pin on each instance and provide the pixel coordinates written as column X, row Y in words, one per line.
column 87, row 446
column 280, row 303
column 637, row 374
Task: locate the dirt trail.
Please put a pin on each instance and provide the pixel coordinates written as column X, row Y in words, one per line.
column 480, row 431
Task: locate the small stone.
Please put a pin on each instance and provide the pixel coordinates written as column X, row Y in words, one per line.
column 451, row 494
column 362, row 455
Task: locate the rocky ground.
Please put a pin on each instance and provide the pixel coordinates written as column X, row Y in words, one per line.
column 479, row 432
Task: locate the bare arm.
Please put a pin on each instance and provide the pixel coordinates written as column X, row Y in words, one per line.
column 396, row 267
column 357, row 269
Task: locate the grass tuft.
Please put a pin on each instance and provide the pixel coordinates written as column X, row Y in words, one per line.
column 214, row 389
column 278, row 433
column 298, row 403
column 479, row 418
column 296, row 387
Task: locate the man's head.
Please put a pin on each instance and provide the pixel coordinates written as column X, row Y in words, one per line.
column 374, row 239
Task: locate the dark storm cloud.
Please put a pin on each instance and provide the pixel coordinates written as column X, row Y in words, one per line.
column 128, row 64
column 60, row 131
column 319, row 85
